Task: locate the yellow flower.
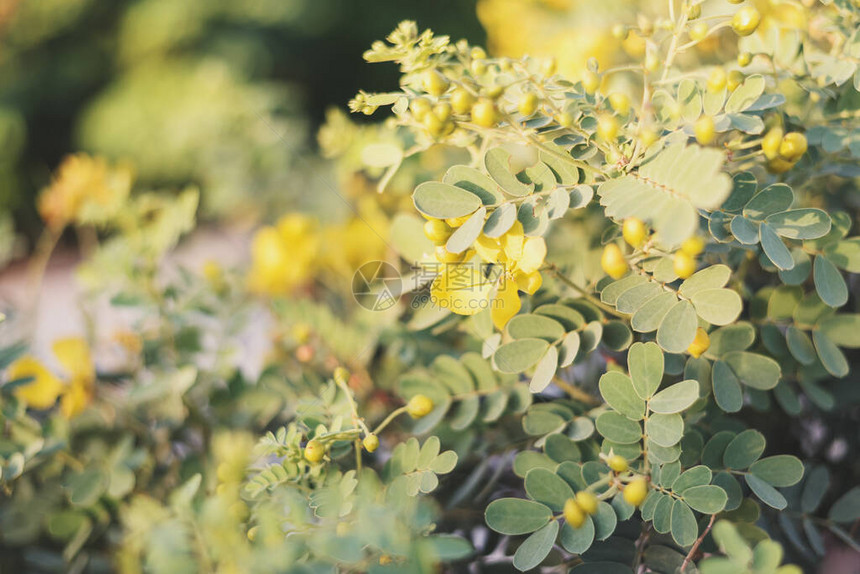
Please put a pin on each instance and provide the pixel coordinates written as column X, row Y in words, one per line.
column 85, row 189
column 283, row 256
column 466, row 289
column 42, row 392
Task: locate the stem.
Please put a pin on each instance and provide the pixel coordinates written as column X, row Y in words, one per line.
column 698, row 543
column 603, row 306
column 574, row 392
column 394, row 414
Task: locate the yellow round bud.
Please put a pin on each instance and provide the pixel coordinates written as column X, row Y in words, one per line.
column 573, row 514
column 779, row 165
column 770, row 143
column 617, row 463
column 435, row 83
column 619, row 31
column 699, row 31
column 435, row 127
column 793, row 146
column 693, row 11
column 442, row 111
column 462, row 101
column 484, row 113
column 478, row 67
column 586, row 501
column 612, row 261
column 647, row 136
column 619, row 102
column 735, row 79
column 607, row 127
column 634, row 231
column 314, row 451
column 745, row 21
column 419, row 406
column 693, row 246
column 565, row 119
column 528, row 104
column 590, row 81
column 437, row 231
column 717, row 80
column 445, row 256
column 704, row 130
column 683, row 264
column 636, row 491
column 744, row 59
column 478, row 53
column 370, row 442
column 457, row 221
column 700, row 343
column 341, row 376
column 420, row 107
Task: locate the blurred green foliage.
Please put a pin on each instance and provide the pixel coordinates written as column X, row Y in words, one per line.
column 216, row 93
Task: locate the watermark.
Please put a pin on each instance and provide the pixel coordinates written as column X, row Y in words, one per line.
column 378, row 286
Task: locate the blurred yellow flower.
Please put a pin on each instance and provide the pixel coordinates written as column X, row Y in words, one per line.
column 284, row 256
column 85, row 189
column 42, row 393
column 465, row 289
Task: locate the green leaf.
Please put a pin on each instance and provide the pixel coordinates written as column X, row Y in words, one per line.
column 516, row 516
column 746, row 94
column 683, row 524
column 532, row 326
column 780, row 470
column 800, row 223
column 665, row 195
column 718, row 306
column 569, row 349
column 678, row 328
column 465, row 235
column 448, row 547
column 765, row 492
column 745, row 230
column 440, row 200
column 407, row 237
column 618, row 428
column 500, row 220
column 754, row 370
column 665, row 430
column 676, row 398
column 774, row 248
column 545, row 371
column 632, row 299
column 845, row 254
column 578, row 540
column 617, row 390
column 548, row 488
column 800, row 272
column 737, row 337
column 727, row 388
column 744, row 449
column 732, row 544
column 814, row 488
column 829, row 282
column 616, row 335
column 847, row 508
column 832, row 358
column 775, row 198
column 707, row 499
column 570, row 319
column 645, row 361
column 475, row 182
column 800, row 345
column 605, row 521
column 650, row 315
column 517, row 356
column 497, row 162
column 696, row 476
column 86, row 487
column 536, row 547
column 843, row 330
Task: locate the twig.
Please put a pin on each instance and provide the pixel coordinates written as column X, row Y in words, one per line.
column 689, row 557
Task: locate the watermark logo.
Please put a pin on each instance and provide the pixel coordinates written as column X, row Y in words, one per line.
column 377, row 286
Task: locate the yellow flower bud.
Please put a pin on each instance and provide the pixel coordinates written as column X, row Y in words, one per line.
column 684, row 265
column 590, row 81
column 771, row 141
column 634, row 232
column 586, row 501
column 462, row 101
column 314, row 451
column 612, row 261
column 370, row 442
column 700, row 343
column 484, row 113
column 717, row 80
column 693, row 246
column 435, row 83
column 573, row 514
column 745, row 21
column 620, row 102
column 528, row 104
column 437, row 231
column 793, row 146
column 636, row 491
column 607, row 127
column 704, row 130
column 617, row 463
column 419, row 406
